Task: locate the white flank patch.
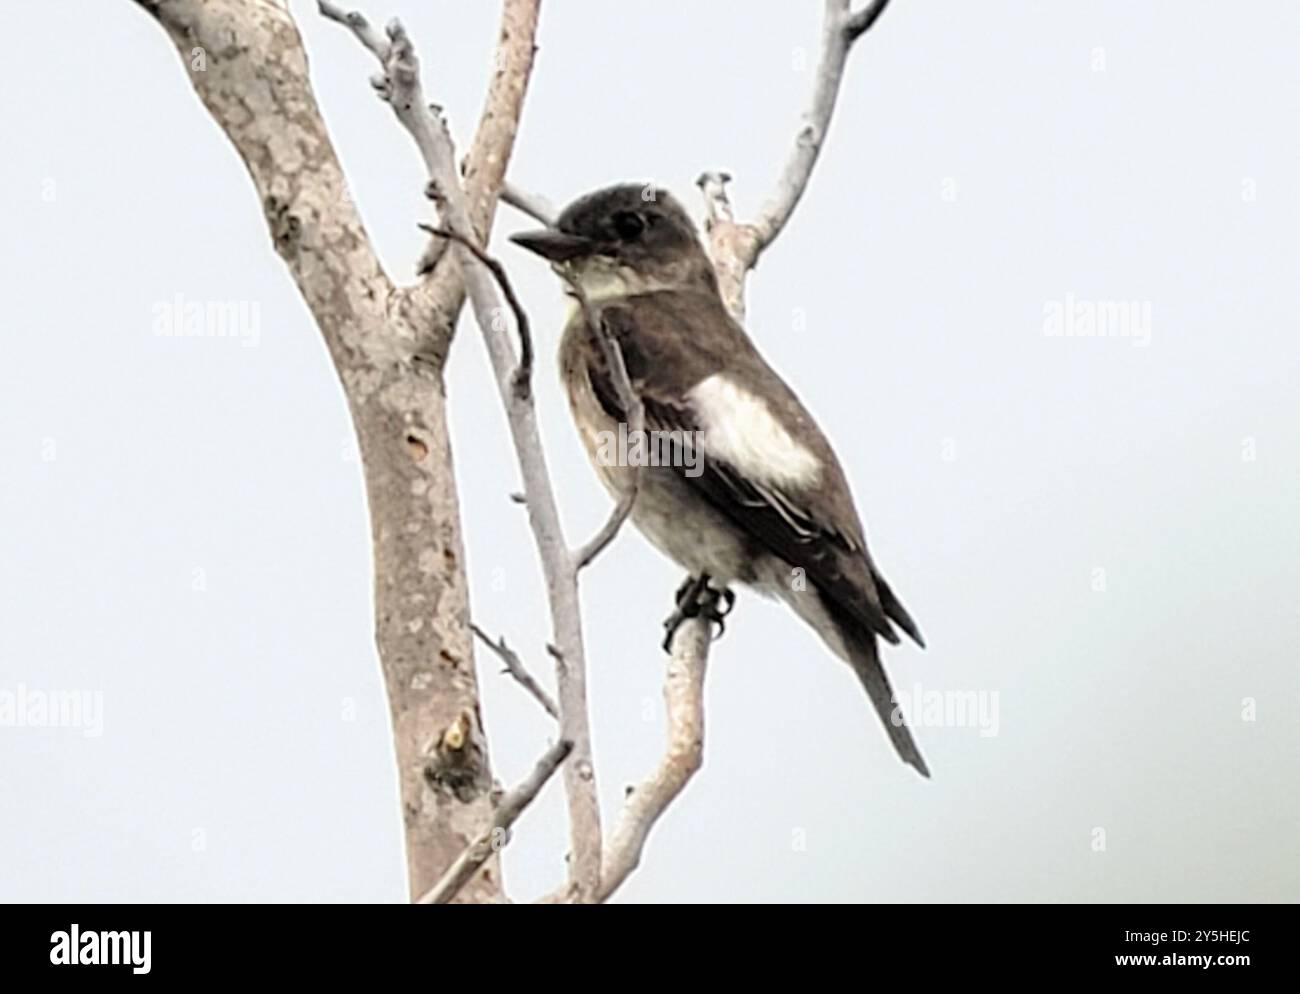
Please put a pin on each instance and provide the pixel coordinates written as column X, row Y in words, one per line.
column 739, row 428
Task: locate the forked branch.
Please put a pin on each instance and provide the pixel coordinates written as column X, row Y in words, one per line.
column 400, row 86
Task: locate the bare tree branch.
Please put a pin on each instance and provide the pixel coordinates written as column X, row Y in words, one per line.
column 442, row 292
column 484, row 171
column 515, row 667
column 524, row 371
column 535, row 206
column 839, row 31
column 356, row 22
column 495, row 838
column 684, row 697
column 429, row 131
column 374, row 333
column 736, row 246
column 609, row 530
column 630, row 401
column 861, row 22
column 730, row 243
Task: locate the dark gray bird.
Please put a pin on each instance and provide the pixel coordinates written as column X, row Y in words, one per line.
column 754, row 494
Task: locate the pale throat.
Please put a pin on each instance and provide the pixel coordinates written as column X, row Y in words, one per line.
column 602, row 280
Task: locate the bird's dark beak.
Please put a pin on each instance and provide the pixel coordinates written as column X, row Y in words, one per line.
column 554, row 245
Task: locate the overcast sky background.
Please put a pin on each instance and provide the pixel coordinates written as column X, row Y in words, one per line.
column 1101, row 534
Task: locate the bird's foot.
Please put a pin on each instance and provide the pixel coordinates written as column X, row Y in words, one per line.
column 696, row 599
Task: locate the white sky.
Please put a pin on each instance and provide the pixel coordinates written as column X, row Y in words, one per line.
column 185, row 535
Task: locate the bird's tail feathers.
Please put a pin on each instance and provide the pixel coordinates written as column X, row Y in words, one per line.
column 895, row 611
column 865, row 660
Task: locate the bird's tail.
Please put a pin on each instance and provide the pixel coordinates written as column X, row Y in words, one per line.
column 865, row 660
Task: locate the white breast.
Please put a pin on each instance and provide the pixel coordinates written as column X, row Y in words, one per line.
column 739, row 427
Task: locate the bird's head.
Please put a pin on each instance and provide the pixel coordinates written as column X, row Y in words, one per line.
column 621, row 240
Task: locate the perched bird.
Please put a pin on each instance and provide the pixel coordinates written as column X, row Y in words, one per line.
column 753, row 493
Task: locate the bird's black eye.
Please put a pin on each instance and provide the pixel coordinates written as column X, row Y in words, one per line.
column 628, row 226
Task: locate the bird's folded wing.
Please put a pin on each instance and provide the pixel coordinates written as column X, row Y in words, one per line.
column 800, row 526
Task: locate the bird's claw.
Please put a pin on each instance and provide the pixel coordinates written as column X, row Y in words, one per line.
column 726, row 596
column 696, row 599
column 714, row 610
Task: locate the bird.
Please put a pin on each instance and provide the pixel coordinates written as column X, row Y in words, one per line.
column 752, row 494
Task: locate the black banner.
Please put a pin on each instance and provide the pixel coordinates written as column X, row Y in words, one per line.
column 137, row 944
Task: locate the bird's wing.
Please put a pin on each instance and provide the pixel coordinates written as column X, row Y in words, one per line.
column 759, row 458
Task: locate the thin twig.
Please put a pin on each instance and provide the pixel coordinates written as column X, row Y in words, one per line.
column 736, row 245
column 610, row 529
column 861, row 22
column 534, row 205
column 356, row 22
column 840, row 30
column 524, row 371
column 497, row 835
column 515, row 667
column 634, row 411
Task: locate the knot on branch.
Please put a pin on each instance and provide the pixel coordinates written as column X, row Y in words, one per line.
column 456, row 764
column 286, row 227
column 416, row 446
column 717, row 204
column 402, row 64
